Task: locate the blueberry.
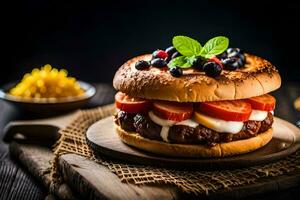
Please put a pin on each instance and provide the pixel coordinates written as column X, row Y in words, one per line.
column 230, row 63
column 233, row 52
column 158, row 62
column 168, row 59
column 142, row 64
column 170, row 50
column 240, row 62
column 198, row 64
column 242, row 58
column 176, row 54
column 176, row 71
column 212, row 69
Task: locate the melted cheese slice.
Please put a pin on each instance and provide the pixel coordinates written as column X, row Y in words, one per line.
column 219, row 125
column 166, row 124
column 258, row 115
column 164, row 133
column 188, row 122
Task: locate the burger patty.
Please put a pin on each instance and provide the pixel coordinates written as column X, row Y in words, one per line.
column 182, row 134
column 125, row 120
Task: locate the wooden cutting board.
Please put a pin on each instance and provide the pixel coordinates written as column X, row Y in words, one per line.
column 103, row 139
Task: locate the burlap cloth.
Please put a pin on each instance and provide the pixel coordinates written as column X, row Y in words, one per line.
column 73, row 140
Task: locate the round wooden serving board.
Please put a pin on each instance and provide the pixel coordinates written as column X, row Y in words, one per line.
column 104, row 140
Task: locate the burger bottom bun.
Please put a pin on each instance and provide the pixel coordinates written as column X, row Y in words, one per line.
column 192, row 150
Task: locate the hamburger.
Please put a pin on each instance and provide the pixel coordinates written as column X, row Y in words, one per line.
column 196, row 101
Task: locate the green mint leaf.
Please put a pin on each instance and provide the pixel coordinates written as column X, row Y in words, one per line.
column 181, row 61
column 186, row 65
column 178, row 61
column 191, row 59
column 186, row 45
column 214, row 46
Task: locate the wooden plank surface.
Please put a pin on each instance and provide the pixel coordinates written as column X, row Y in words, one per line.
column 95, row 181
column 15, row 183
column 37, row 160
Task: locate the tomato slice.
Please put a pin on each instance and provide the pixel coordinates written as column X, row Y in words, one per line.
column 264, row 102
column 173, row 110
column 131, row 105
column 235, row 110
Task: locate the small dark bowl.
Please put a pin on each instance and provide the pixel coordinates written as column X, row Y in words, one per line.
column 48, row 106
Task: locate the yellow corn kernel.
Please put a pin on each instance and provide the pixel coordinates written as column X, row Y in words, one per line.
column 47, row 82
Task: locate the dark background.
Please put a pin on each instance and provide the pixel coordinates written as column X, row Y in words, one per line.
column 92, row 39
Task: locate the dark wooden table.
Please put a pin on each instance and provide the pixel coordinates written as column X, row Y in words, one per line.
column 16, row 183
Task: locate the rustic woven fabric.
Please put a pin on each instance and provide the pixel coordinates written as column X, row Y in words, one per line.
column 198, row 182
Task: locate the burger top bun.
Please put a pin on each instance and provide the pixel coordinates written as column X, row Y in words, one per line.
column 257, row 77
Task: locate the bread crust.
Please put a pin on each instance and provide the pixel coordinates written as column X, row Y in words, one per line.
column 257, row 77
column 195, row 151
